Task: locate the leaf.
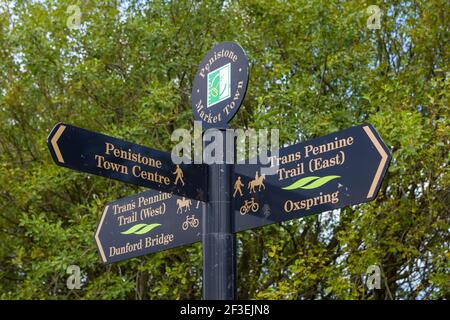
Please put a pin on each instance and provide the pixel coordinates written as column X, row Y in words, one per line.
column 316, row 182
column 141, row 228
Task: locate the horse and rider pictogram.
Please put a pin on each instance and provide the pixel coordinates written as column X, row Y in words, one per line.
column 185, row 204
column 257, row 182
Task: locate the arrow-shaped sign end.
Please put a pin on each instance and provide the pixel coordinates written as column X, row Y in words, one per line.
column 385, row 157
column 54, row 141
column 97, row 234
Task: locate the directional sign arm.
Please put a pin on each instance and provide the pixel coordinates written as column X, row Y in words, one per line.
column 91, row 152
column 147, row 222
column 330, row 172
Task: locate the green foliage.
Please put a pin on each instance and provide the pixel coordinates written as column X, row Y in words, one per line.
column 315, row 68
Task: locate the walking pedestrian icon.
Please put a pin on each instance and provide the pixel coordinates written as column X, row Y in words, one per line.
column 237, row 187
column 179, row 175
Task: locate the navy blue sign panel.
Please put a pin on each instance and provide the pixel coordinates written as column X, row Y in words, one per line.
column 145, row 223
column 330, row 172
column 95, row 153
column 220, row 85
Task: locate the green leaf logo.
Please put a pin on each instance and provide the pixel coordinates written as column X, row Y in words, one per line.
column 141, row 228
column 312, row 182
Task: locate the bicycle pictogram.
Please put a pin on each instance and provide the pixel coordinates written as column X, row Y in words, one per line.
column 190, row 221
column 249, row 205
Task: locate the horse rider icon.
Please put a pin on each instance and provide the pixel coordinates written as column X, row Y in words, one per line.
column 179, row 174
column 183, row 203
column 257, row 182
column 237, row 187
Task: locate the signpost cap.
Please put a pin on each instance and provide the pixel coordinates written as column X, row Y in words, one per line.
column 220, row 85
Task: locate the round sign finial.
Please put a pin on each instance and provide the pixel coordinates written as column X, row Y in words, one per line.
column 220, row 85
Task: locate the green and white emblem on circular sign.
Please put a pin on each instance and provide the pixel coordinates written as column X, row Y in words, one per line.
column 220, row 85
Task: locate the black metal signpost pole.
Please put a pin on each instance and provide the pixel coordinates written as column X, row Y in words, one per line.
column 218, row 90
column 219, row 242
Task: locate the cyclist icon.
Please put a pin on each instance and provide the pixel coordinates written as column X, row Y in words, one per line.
column 249, row 205
column 190, row 221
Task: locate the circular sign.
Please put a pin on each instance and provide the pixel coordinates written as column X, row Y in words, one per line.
column 220, row 84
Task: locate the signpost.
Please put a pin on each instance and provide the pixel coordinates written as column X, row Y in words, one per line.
column 148, row 222
column 330, row 172
column 92, row 152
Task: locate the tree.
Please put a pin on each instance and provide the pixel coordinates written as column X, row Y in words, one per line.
column 316, row 68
